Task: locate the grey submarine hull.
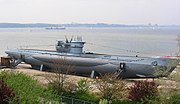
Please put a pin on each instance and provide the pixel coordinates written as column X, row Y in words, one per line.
column 88, row 63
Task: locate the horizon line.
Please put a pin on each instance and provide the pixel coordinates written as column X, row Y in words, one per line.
column 149, row 24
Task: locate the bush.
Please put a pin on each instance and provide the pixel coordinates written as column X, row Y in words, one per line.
column 48, row 96
column 103, row 101
column 6, row 94
column 4, row 75
column 175, row 99
column 70, row 87
column 87, row 97
column 27, row 88
column 110, row 87
column 82, row 86
column 143, row 90
column 122, row 102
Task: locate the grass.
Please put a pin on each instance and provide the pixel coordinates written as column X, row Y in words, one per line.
column 27, row 89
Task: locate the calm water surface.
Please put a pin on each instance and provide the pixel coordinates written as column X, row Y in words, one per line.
column 119, row 41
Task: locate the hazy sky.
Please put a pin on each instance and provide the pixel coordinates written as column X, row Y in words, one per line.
column 91, row 11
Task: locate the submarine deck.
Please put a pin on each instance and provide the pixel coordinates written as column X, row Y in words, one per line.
column 86, row 55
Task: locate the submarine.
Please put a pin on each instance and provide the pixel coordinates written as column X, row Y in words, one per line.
column 91, row 64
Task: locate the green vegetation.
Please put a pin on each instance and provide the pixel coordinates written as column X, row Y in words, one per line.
column 83, row 92
column 82, row 86
column 110, row 87
column 23, row 89
column 26, row 89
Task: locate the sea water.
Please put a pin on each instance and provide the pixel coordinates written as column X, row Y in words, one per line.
column 117, row 41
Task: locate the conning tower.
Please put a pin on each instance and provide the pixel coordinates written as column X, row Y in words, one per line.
column 75, row 45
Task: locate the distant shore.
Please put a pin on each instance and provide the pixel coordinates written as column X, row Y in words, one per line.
column 40, row 25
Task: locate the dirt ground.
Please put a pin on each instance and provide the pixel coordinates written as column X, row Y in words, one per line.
column 41, row 77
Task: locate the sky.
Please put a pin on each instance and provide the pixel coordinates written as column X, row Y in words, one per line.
column 163, row 12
